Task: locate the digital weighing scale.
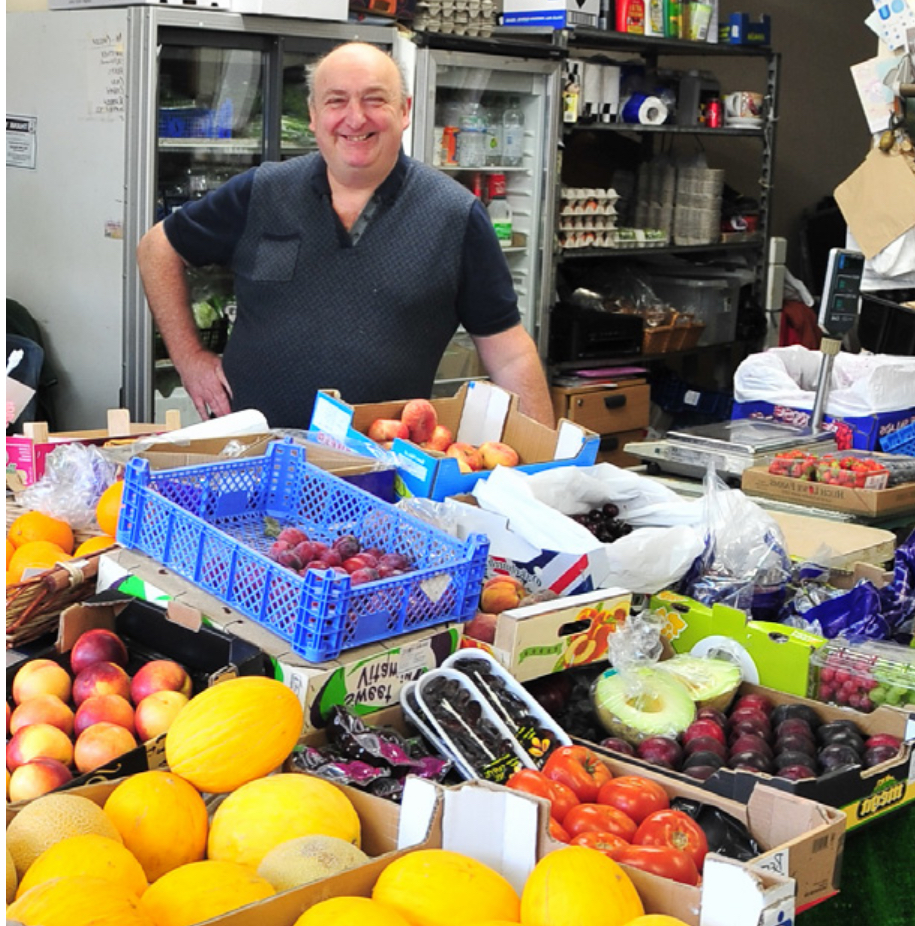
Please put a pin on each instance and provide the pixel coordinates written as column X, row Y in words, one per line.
column 733, row 446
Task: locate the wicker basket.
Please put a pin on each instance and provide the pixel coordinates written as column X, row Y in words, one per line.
column 657, row 340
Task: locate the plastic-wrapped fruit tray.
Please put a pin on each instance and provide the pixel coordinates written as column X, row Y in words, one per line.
column 207, row 524
column 863, row 675
column 467, row 726
column 531, row 726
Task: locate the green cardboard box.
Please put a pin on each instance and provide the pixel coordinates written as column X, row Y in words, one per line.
column 770, row 654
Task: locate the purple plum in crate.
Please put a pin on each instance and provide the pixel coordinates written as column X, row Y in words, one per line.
column 615, row 744
column 664, row 751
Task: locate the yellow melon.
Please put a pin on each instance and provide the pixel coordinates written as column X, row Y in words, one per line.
column 95, row 856
column 50, row 818
column 78, row 901
column 308, row 858
column 350, row 911
column 656, row 919
column 12, row 879
column 261, row 814
column 437, row 887
column 201, row 890
column 577, row 885
column 233, row 733
column 161, row 818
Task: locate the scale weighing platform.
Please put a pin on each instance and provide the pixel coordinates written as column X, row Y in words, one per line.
column 732, row 446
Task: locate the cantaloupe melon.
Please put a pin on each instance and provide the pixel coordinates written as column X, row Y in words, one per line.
column 350, row 911
column 95, row 856
column 12, row 879
column 161, row 818
column 78, row 901
column 263, row 813
column 50, row 818
column 308, row 858
column 201, row 890
column 437, row 887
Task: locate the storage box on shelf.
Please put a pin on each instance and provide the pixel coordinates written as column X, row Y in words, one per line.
column 618, row 412
column 207, row 524
column 365, row 679
column 900, row 441
column 478, row 412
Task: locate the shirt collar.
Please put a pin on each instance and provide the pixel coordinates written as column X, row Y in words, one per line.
column 387, row 189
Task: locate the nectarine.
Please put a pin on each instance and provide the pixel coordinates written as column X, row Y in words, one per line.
column 41, row 676
column 97, row 645
column 441, row 439
column 101, row 678
column 110, row 708
column 500, row 593
column 43, row 708
column 494, row 453
column 38, row 741
column 160, row 675
column 101, row 743
column 386, row 429
column 420, row 417
column 482, row 627
column 155, row 713
column 467, row 456
column 37, row 777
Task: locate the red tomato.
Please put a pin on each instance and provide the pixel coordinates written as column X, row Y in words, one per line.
column 557, row 831
column 608, row 843
column 560, row 796
column 661, row 860
column 599, row 818
column 675, row 829
column 580, row 768
column 636, row 797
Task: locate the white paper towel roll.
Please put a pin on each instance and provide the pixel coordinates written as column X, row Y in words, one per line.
column 652, row 111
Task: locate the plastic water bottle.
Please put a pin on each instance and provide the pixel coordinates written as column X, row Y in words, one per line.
column 513, row 134
column 493, row 137
column 500, row 213
column 471, row 139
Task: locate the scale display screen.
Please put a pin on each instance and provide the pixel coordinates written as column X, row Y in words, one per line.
column 841, row 300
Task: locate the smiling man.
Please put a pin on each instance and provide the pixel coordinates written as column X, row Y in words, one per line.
column 353, row 266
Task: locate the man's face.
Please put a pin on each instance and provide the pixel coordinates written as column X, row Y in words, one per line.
column 359, row 114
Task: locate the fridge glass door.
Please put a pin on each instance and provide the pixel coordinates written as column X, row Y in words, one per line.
column 486, row 121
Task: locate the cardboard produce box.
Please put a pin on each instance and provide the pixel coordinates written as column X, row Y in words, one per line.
column 900, row 499
column 552, row 636
column 150, row 632
column 478, row 412
column 364, row 679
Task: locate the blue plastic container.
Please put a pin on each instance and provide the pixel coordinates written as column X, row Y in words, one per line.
column 207, row 524
column 900, row 441
column 196, row 122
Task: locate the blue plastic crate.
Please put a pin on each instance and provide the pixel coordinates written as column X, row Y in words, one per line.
column 196, row 122
column 206, row 523
column 900, row 441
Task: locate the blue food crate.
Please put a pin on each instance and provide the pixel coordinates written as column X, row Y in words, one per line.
column 196, row 122
column 900, row 441
column 207, row 524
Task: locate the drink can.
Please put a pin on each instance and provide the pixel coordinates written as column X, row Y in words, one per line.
column 713, row 114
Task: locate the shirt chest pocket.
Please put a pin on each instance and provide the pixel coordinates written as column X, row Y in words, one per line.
column 275, row 258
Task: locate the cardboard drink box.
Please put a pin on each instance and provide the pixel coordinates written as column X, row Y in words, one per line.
column 364, row 679
column 478, row 412
column 150, row 632
column 757, row 480
column 541, row 639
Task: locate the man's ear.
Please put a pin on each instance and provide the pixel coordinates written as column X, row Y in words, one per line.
column 407, row 107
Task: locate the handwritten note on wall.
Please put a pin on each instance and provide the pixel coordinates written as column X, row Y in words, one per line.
column 107, row 82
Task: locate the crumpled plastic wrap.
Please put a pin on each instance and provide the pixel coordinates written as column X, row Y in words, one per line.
column 74, row 478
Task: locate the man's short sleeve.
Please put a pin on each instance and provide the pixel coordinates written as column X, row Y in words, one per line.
column 206, row 231
column 487, row 303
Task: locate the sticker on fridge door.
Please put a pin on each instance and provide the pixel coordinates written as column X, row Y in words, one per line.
column 21, row 141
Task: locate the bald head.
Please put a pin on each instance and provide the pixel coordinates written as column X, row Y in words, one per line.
column 357, row 54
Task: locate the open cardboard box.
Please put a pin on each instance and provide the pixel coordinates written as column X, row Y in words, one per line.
column 150, row 632
column 551, row 636
column 478, row 412
column 757, row 480
column 381, row 840
column 365, row 679
column 26, row 453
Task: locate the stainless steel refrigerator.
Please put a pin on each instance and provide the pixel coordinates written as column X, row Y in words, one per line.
column 114, row 117
column 456, row 82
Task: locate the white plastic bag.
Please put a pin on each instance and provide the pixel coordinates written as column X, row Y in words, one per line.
column 861, row 384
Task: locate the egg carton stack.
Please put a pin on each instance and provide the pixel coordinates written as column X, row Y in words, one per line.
column 587, row 218
column 655, row 191
column 697, row 208
column 461, row 17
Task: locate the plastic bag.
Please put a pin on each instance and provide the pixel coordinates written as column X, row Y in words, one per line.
column 74, row 478
column 745, row 563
